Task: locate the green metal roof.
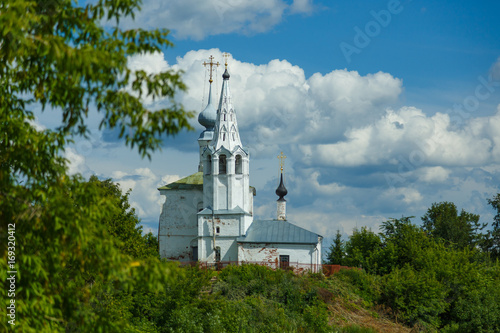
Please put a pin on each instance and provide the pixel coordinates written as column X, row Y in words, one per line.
column 194, row 181
column 190, row 182
column 274, row 231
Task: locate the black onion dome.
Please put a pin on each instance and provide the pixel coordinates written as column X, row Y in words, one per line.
column 281, row 190
column 226, row 75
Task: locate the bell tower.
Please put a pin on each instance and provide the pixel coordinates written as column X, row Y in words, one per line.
column 225, row 160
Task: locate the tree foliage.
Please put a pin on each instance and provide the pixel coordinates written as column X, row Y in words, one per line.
column 124, row 226
column 443, row 221
column 361, row 247
column 336, row 252
column 56, row 54
column 433, row 278
column 491, row 243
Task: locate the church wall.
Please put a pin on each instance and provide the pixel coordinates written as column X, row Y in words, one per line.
column 227, row 229
column 308, row 256
column 178, row 227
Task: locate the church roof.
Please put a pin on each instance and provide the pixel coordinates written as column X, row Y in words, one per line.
column 236, row 210
column 274, row 231
column 190, row 182
column 194, row 181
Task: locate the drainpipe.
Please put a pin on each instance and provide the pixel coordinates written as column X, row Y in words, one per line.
column 213, row 231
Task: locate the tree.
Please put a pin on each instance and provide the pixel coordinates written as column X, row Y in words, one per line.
column 58, row 55
column 125, row 226
column 442, row 221
column 335, row 254
column 361, row 247
column 491, row 242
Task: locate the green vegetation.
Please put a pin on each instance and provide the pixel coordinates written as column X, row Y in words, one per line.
column 83, row 264
column 336, row 251
column 78, row 254
column 440, row 276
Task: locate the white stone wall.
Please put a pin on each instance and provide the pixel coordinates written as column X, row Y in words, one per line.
column 229, row 228
column 178, row 226
column 281, row 208
column 307, row 256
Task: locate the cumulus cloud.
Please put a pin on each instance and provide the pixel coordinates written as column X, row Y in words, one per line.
column 436, row 174
column 144, row 196
column 410, row 135
column 276, row 104
column 76, row 162
column 198, row 19
column 356, row 159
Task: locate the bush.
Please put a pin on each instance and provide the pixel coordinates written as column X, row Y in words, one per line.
column 367, row 285
column 417, row 298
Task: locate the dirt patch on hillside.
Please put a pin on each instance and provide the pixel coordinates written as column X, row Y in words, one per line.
column 345, row 313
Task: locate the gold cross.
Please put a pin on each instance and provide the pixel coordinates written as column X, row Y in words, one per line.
column 281, row 157
column 226, row 56
column 211, row 64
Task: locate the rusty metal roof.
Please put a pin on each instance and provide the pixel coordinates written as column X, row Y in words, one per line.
column 274, row 231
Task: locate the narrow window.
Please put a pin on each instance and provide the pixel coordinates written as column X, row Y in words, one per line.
column 284, row 262
column 238, row 165
column 222, row 164
column 224, row 117
column 194, row 253
column 217, row 230
column 223, row 136
column 208, row 169
column 217, row 254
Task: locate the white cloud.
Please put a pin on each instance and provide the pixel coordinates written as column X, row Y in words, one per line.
column 433, row 174
column 409, row 134
column 302, row 6
column 276, row 103
column 151, row 63
column 199, row 19
column 406, row 194
column 342, row 139
column 145, row 197
column 76, row 162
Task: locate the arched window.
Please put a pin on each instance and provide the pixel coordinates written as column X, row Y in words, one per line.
column 238, row 165
column 222, row 164
column 208, row 169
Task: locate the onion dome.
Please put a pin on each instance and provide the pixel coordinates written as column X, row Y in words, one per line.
column 226, row 75
column 208, row 117
column 281, row 190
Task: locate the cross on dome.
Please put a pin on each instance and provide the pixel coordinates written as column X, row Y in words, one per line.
column 282, row 158
column 211, row 64
column 208, row 116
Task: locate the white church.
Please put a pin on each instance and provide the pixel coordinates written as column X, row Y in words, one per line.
column 208, row 216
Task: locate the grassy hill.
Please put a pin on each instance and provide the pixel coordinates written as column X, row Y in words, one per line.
column 252, row 298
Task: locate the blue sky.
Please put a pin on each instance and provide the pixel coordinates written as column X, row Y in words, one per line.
column 409, row 118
